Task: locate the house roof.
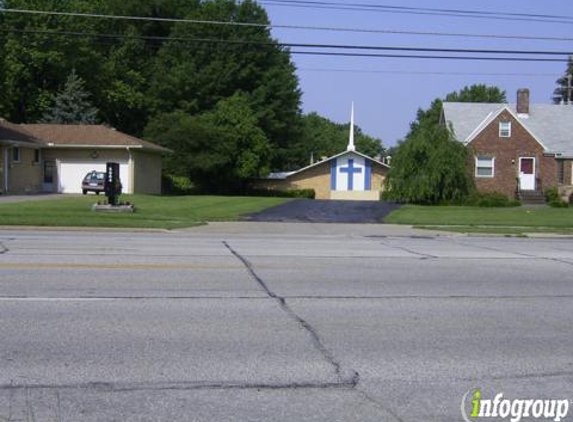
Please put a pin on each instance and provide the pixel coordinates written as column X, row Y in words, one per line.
column 15, row 134
column 86, row 136
column 286, row 175
column 551, row 125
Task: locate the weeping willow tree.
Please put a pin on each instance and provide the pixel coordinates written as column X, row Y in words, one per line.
column 430, row 167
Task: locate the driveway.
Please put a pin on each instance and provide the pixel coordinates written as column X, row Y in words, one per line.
column 326, row 211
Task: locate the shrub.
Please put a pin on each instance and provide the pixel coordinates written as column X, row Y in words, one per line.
column 493, row 199
column 558, row 203
column 554, row 199
column 176, row 185
column 552, row 195
column 290, row 193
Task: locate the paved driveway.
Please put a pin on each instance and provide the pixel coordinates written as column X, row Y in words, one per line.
column 326, row 211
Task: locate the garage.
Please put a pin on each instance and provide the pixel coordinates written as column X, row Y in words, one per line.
column 71, row 174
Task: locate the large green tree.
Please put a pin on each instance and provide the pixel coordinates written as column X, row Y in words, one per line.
column 322, row 137
column 136, row 69
column 220, row 150
column 430, row 166
column 478, row 93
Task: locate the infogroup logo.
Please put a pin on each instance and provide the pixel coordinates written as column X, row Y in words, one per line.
column 513, row 410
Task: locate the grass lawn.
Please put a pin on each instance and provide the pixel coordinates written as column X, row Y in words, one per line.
column 165, row 212
column 512, row 220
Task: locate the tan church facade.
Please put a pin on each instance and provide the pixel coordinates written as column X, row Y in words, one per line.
column 346, row 176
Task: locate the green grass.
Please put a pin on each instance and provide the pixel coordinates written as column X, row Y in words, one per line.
column 163, row 212
column 512, row 220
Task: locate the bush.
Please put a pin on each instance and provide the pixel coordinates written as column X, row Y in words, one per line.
column 558, row 203
column 290, row 193
column 552, row 195
column 554, row 200
column 493, row 199
column 176, row 185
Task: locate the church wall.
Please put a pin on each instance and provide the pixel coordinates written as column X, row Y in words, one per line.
column 319, row 179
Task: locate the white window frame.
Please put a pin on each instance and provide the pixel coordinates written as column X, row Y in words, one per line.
column 19, row 154
column 505, row 132
column 477, row 158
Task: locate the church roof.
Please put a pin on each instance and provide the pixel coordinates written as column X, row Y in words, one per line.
column 286, row 175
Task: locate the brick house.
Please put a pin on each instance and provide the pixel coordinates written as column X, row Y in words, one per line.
column 54, row 158
column 518, row 149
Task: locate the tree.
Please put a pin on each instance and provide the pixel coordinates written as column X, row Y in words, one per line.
column 71, row 104
column 220, row 150
column 429, row 167
column 479, row 93
column 323, row 137
column 562, row 92
column 150, row 68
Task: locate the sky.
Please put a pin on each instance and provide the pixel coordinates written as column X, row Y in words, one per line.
column 387, row 92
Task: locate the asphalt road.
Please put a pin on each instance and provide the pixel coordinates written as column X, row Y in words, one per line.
column 325, row 211
column 193, row 326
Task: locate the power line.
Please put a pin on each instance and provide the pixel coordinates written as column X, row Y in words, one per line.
column 508, row 16
column 327, row 46
column 416, row 56
column 290, row 27
column 414, row 72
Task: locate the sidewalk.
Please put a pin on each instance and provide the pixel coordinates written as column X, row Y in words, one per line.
column 312, row 229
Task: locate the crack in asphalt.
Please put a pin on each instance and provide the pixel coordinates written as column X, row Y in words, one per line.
column 316, row 341
column 379, row 405
column 522, row 254
column 413, row 252
column 3, row 248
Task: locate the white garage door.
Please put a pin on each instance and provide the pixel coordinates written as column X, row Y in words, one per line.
column 71, row 175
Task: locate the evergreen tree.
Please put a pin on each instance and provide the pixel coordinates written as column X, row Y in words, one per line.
column 561, row 92
column 71, row 104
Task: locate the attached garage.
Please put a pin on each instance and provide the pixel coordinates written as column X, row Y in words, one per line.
column 71, row 174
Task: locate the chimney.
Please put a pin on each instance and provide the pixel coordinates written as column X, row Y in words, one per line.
column 523, row 102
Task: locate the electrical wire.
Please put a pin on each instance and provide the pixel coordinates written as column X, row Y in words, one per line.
column 289, row 27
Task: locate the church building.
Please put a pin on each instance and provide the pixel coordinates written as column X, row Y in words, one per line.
column 349, row 175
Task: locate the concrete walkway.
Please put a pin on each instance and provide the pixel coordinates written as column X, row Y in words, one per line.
column 313, row 229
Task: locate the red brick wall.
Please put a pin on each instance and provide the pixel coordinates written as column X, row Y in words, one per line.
column 507, row 152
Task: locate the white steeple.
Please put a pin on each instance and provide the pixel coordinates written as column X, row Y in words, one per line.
column 350, row 146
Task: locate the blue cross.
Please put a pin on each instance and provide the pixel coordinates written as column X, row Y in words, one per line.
column 351, row 170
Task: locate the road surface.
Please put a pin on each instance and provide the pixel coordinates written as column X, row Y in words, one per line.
column 199, row 326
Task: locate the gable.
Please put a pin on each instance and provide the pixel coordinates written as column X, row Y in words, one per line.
column 550, row 125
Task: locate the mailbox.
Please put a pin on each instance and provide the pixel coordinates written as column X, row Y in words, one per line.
column 112, row 183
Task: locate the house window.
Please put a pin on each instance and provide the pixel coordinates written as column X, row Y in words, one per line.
column 36, row 156
column 15, row 155
column 561, row 172
column 485, row 166
column 504, row 129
